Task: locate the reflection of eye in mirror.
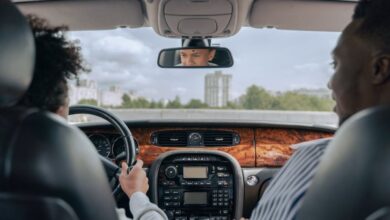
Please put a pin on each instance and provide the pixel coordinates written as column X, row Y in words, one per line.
column 195, row 57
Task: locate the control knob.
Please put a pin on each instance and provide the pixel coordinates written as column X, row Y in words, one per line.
column 171, row 172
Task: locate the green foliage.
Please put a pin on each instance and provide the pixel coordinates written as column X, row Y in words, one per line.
column 196, row 103
column 141, row 102
column 176, row 103
column 258, row 98
column 296, row 101
column 255, row 97
column 88, row 102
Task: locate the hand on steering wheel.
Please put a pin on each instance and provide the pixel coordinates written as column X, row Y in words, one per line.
column 112, row 170
column 134, row 180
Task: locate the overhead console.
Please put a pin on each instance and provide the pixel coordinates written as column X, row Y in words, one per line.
column 194, row 185
column 196, row 18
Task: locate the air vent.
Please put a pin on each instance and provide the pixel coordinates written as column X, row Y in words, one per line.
column 195, row 138
column 170, row 138
column 220, row 138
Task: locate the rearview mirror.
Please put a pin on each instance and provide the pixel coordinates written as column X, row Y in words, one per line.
column 195, row 57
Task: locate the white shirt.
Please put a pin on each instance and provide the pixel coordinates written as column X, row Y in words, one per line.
column 142, row 209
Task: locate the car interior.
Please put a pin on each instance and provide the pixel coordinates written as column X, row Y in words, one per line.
column 197, row 169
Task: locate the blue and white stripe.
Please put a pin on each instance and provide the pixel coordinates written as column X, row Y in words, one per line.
column 283, row 197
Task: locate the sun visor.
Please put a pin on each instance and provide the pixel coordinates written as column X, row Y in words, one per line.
column 194, row 18
column 87, row 14
column 313, row 15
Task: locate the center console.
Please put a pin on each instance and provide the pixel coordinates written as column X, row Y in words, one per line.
column 194, row 185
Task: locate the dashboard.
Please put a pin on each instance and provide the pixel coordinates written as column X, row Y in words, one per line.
column 259, row 150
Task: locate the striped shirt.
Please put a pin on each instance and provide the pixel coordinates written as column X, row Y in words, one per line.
column 283, row 197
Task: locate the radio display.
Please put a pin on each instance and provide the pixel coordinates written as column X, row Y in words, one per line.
column 195, row 172
column 195, row 198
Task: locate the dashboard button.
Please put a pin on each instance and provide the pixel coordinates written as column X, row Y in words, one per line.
column 171, row 172
column 220, row 168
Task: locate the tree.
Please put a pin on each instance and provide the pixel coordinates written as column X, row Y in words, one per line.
column 257, row 98
column 233, row 105
column 196, row 103
column 294, row 101
column 126, row 101
column 141, row 103
column 176, row 103
column 88, row 102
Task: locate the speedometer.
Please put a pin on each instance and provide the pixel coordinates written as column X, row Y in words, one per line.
column 102, row 144
column 119, row 149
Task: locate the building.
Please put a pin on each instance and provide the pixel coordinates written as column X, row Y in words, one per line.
column 83, row 89
column 111, row 97
column 217, row 89
column 86, row 89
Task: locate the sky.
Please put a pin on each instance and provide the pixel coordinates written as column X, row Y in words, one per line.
column 277, row 60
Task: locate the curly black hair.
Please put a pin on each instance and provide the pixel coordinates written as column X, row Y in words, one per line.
column 57, row 60
column 375, row 22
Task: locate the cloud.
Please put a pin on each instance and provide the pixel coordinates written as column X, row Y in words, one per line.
column 121, row 50
column 274, row 59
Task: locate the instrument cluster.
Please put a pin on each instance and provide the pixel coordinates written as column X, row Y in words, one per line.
column 111, row 146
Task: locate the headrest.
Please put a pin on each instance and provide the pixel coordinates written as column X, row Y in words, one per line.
column 17, row 54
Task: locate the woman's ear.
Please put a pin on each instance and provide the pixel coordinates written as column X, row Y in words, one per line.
column 63, row 111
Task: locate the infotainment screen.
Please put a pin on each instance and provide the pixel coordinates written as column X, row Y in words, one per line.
column 195, row 172
column 195, row 198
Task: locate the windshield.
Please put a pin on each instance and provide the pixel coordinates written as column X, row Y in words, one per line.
column 278, row 76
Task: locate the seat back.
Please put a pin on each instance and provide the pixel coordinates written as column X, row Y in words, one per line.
column 48, row 169
column 352, row 181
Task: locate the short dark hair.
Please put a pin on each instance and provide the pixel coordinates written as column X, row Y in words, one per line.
column 57, row 60
column 375, row 26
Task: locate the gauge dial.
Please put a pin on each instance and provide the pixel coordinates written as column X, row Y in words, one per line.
column 102, row 144
column 118, row 148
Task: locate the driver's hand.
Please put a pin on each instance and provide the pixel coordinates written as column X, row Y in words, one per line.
column 135, row 181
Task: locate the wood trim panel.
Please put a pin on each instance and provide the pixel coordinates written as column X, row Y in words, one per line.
column 259, row 147
column 244, row 152
column 273, row 145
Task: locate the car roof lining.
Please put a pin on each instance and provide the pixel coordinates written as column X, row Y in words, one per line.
column 88, row 14
column 319, row 15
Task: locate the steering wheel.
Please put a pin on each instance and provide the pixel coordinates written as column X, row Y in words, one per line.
column 112, row 170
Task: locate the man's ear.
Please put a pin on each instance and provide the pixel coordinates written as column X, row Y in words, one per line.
column 211, row 54
column 381, row 69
